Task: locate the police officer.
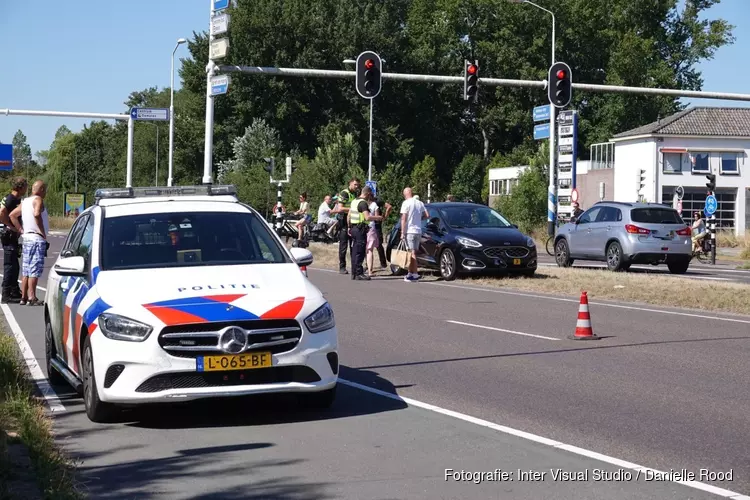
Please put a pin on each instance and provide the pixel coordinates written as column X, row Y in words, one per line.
column 359, row 216
column 11, row 268
column 344, row 201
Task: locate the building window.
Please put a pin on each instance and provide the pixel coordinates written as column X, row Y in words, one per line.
column 700, row 162
column 729, row 164
column 672, row 163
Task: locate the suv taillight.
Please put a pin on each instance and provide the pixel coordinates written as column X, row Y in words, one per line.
column 636, row 230
column 685, row 232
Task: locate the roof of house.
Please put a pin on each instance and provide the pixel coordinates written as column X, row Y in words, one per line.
column 701, row 121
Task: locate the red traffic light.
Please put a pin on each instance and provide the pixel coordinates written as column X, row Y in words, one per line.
column 472, row 69
column 369, row 64
column 560, row 74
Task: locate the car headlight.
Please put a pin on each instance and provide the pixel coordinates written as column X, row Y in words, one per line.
column 322, row 319
column 121, row 328
column 468, row 242
column 530, row 242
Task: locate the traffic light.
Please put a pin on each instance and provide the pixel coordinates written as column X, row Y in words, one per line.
column 560, row 85
column 641, row 179
column 711, row 184
column 471, row 75
column 268, row 167
column 369, row 76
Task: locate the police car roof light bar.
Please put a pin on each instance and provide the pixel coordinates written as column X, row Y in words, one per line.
column 147, row 192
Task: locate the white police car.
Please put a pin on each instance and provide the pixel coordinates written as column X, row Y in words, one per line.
column 171, row 294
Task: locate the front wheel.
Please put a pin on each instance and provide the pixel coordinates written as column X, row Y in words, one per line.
column 97, row 410
column 448, row 268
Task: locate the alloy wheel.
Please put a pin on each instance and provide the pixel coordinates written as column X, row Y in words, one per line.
column 447, row 263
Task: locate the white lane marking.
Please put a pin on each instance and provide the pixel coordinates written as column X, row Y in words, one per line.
column 50, row 396
column 604, row 304
column 501, row 330
column 576, row 301
column 546, row 441
column 690, row 277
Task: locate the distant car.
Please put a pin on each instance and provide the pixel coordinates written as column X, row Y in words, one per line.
column 469, row 238
column 622, row 234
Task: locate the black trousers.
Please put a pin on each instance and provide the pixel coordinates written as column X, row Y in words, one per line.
column 344, row 243
column 359, row 245
column 381, row 249
column 11, row 269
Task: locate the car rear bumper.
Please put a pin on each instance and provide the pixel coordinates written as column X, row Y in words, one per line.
column 638, row 251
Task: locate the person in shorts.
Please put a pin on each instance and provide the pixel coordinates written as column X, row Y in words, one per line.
column 412, row 213
column 304, row 211
column 373, row 238
column 32, row 221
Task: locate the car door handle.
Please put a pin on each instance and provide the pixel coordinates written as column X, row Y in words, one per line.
column 64, row 286
column 609, row 228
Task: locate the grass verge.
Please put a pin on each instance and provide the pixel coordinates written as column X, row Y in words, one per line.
column 31, row 466
column 648, row 288
column 58, row 223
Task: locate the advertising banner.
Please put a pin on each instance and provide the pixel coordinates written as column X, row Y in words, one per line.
column 75, row 204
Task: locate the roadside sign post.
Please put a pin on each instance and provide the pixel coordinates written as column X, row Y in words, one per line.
column 710, row 209
column 566, row 160
column 374, row 186
column 150, row 114
column 541, row 131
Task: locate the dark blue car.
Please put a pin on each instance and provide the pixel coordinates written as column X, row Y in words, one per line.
column 469, row 238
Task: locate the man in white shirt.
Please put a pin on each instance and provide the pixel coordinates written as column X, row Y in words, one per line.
column 34, row 226
column 412, row 213
column 324, row 214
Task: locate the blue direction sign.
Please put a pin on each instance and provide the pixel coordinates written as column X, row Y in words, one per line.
column 150, row 114
column 711, row 204
column 541, row 113
column 372, row 185
column 221, row 4
column 220, row 84
column 6, row 156
column 541, row 131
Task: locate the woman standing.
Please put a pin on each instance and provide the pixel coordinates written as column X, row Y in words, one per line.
column 373, row 239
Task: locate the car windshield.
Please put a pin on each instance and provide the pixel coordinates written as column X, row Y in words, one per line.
column 473, row 216
column 187, row 239
column 655, row 216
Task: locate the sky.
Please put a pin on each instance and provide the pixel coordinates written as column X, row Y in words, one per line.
column 88, row 56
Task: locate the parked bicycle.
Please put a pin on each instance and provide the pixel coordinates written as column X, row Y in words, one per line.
column 550, row 243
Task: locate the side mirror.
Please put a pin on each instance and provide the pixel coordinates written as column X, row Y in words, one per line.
column 302, row 256
column 71, row 266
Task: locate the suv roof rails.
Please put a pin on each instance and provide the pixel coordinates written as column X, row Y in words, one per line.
column 157, row 192
column 623, row 203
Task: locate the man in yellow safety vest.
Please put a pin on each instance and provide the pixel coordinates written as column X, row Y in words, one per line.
column 359, row 217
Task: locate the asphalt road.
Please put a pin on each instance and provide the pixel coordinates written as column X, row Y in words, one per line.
column 720, row 272
column 661, row 390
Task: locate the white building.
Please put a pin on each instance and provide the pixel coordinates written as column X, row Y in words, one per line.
column 502, row 181
column 680, row 150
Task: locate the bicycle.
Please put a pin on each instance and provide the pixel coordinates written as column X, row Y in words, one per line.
column 704, row 254
column 549, row 244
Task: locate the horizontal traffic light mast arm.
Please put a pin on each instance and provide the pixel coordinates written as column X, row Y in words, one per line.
column 491, row 82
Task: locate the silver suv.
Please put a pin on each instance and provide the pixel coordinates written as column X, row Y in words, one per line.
column 622, row 234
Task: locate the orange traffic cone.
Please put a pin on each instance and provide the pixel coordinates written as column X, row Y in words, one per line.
column 583, row 326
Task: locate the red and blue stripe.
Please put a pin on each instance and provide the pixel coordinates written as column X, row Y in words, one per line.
column 215, row 308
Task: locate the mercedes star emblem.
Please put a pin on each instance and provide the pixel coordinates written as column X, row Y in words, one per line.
column 233, row 340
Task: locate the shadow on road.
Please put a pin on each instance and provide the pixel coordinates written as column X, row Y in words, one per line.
column 552, row 351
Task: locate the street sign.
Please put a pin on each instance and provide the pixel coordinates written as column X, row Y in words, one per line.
column 541, row 131
column 219, row 24
column 219, row 48
column 150, row 114
column 565, row 117
column 541, row 113
column 711, row 204
column 220, row 84
column 574, row 195
column 565, row 159
column 6, row 156
column 372, row 185
column 565, row 130
column 221, row 4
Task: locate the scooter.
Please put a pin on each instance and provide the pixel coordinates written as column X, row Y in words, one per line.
column 322, row 233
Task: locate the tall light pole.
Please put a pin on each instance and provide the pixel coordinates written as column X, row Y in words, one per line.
column 171, row 117
column 552, row 190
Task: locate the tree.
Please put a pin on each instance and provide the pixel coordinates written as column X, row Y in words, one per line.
column 468, row 178
column 425, row 172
